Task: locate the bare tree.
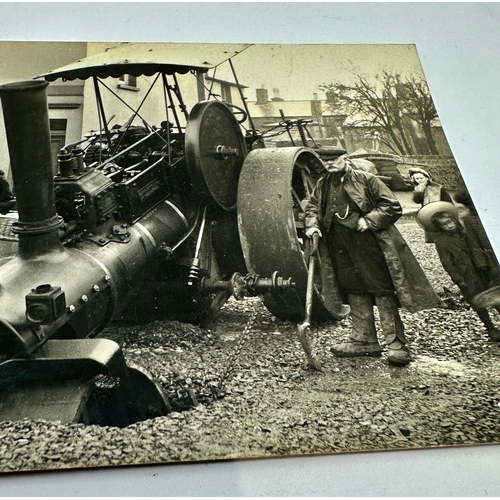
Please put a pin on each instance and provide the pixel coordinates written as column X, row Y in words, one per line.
column 386, row 106
column 419, row 106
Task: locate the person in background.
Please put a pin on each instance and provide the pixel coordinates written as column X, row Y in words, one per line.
column 354, row 212
column 462, row 256
column 426, row 191
column 7, row 200
column 473, row 226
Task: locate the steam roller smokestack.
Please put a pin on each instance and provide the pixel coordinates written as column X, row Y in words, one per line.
column 26, row 117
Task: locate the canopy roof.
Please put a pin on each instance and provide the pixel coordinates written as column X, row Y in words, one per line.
column 147, row 59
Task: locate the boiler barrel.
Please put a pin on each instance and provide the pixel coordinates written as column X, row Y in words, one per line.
column 46, row 288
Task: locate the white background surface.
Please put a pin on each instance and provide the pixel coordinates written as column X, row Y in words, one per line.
column 459, row 46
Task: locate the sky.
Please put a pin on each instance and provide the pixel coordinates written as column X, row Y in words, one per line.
column 297, row 70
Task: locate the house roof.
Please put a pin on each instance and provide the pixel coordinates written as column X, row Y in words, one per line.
column 147, row 59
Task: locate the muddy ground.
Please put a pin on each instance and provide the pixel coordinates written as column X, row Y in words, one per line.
column 241, row 387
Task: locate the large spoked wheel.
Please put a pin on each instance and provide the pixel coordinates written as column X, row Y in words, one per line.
column 272, row 192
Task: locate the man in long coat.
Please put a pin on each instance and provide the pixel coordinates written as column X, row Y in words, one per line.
column 355, row 212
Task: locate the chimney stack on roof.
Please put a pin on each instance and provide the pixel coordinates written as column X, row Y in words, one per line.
column 262, row 95
column 276, row 93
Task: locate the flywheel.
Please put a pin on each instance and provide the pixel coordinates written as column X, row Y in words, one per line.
column 273, row 190
column 215, row 150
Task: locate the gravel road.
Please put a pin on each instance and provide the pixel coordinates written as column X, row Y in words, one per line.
column 269, row 403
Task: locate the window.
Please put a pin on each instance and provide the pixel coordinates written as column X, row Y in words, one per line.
column 128, row 82
column 225, row 91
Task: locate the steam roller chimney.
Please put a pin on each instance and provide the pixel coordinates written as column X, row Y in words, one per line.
column 26, row 117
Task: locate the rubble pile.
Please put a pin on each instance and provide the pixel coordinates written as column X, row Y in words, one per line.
column 255, row 396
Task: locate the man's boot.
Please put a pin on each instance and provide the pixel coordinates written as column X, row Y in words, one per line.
column 493, row 331
column 363, row 336
column 393, row 329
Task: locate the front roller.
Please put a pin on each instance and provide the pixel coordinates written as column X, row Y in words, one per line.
column 79, row 380
column 273, row 187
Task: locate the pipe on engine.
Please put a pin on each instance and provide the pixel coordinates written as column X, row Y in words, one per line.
column 27, row 127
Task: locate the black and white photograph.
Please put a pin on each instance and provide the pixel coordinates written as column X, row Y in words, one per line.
column 223, row 251
column 245, row 249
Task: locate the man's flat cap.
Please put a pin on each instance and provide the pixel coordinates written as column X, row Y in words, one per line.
column 330, row 152
column 413, row 171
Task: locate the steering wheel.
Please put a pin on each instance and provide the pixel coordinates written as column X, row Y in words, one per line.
column 238, row 112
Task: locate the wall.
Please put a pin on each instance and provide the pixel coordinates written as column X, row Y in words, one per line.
column 25, row 60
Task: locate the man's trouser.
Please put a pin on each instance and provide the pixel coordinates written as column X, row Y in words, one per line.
column 363, row 319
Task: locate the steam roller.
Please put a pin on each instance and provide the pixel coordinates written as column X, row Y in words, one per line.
column 132, row 232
